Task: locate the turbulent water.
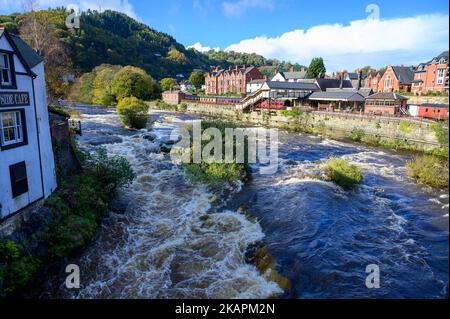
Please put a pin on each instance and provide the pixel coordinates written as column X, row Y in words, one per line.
column 174, row 239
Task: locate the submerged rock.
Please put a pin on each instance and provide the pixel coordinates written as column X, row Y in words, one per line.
column 104, row 139
column 149, row 136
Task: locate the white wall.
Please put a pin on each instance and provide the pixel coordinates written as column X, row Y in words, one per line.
column 30, row 152
column 278, row 78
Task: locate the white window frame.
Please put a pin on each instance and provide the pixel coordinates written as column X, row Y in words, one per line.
column 440, row 76
column 17, row 126
column 7, row 66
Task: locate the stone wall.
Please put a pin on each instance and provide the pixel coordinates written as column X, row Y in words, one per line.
column 428, row 99
column 416, row 132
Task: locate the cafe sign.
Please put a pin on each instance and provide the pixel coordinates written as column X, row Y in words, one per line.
column 14, row 99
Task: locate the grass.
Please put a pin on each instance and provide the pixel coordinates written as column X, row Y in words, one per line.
column 342, row 173
column 430, row 170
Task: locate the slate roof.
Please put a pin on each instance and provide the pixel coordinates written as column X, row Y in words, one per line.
column 441, row 106
column 294, row 75
column 292, row 85
column 386, row 96
column 257, row 81
column 30, row 56
column 343, row 95
column 26, row 54
column 325, row 84
column 352, row 76
column 404, row 74
column 365, row 92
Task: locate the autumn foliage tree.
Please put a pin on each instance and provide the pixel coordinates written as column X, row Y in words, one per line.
column 38, row 31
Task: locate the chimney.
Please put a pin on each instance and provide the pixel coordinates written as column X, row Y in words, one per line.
column 292, row 69
column 303, row 69
column 341, row 85
column 359, row 79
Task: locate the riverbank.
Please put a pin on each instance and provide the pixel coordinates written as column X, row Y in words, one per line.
column 391, row 133
column 64, row 225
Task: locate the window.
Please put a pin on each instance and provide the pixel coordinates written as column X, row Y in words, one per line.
column 440, row 78
column 388, row 82
column 19, row 180
column 12, row 129
column 6, row 74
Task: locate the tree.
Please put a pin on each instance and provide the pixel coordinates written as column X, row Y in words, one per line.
column 37, row 30
column 167, row 84
column 366, row 69
column 133, row 112
column 102, row 86
column 316, row 69
column 197, row 78
column 132, row 81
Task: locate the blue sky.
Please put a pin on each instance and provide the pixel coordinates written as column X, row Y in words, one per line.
column 410, row 31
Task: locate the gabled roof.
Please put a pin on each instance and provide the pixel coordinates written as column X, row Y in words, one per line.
column 342, row 95
column 404, row 74
column 257, row 81
column 386, row 96
column 325, row 84
column 352, row 76
column 307, row 86
column 30, row 56
column 27, row 56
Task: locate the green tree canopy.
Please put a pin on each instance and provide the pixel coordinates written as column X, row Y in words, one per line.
column 132, row 81
column 167, row 84
column 316, row 69
column 197, row 78
column 102, row 86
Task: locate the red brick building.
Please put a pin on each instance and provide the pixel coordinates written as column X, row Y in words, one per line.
column 231, row 81
column 373, row 80
column 396, row 79
column 385, row 103
column 173, row 97
column 432, row 76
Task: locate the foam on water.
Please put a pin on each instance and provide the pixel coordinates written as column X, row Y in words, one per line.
column 168, row 243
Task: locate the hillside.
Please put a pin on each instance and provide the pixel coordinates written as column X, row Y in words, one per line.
column 114, row 38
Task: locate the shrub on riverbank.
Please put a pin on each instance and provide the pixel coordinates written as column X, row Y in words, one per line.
column 216, row 173
column 430, row 170
column 133, row 112
column 76, row 211
column 342, row 173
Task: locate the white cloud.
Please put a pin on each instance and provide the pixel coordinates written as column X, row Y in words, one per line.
column 100, row 5
column 199, row 47
column 362, row 42
column 238, row 8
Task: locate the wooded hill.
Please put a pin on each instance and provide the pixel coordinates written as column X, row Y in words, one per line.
column 114, row 38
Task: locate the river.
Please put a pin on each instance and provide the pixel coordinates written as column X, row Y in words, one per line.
column 175, row 239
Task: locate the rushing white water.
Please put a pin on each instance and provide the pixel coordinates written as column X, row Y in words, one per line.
column 169, row 243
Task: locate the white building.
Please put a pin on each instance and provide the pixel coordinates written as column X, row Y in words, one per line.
column 254, row 85
column 291, row 76
column 27, row 166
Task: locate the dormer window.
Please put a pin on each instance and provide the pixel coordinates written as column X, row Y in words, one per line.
column 6, row 70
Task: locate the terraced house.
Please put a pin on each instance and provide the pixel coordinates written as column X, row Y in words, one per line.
column 233, row 80
column 432, row 76
column 27, row 166
column 396, row 79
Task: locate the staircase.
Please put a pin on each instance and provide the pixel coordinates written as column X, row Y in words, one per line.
column 252, row 99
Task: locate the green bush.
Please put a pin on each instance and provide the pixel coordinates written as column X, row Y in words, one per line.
column 342, row 173
column 131, row 81
column 429, row 170
column 357, row 134
column 133, row 112
column 17, row 267
column 441, row 132
column 406, row 127
column 78, row 206
column 216, row 173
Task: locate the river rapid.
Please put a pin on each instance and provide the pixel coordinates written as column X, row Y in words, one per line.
column 168, row 238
